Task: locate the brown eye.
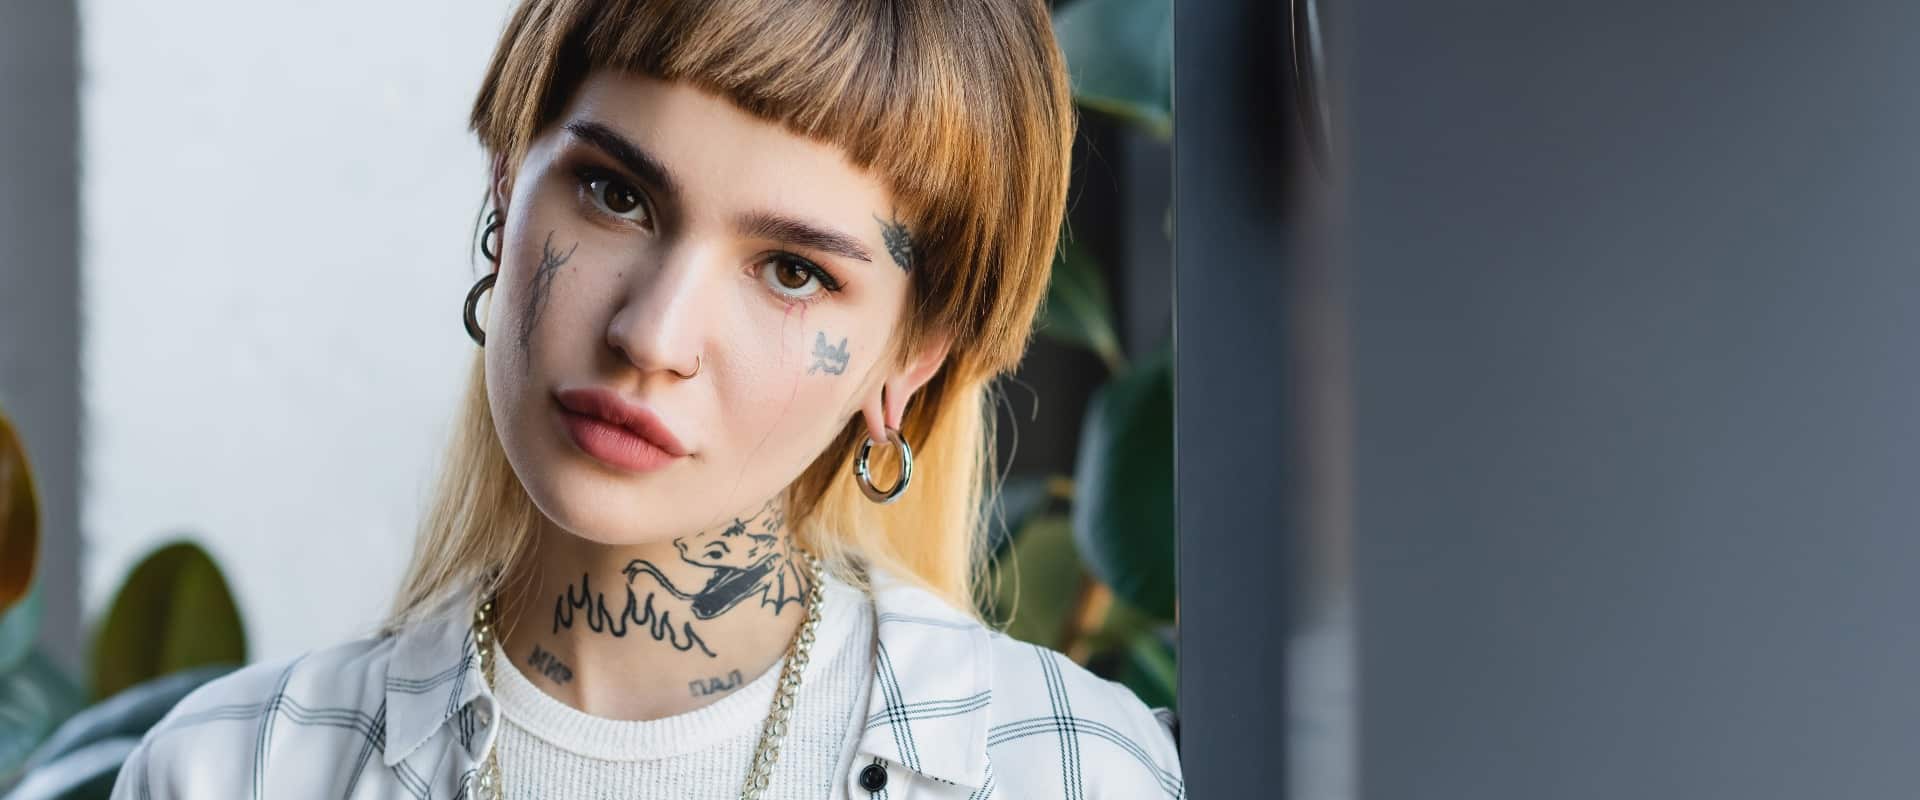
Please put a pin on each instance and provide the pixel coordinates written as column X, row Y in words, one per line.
column 796, row 278
column 619, row 198
column 613, row 196
column 791, row 275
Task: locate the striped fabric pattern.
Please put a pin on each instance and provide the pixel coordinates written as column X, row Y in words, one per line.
column 956, row 710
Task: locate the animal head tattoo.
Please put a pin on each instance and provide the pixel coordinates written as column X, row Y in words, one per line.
column 748, row 557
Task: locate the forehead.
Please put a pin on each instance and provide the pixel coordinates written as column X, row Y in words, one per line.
column 724, row 159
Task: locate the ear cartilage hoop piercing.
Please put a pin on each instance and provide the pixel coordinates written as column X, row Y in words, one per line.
column 467, row 315
column 863, row 476
column 493, row 224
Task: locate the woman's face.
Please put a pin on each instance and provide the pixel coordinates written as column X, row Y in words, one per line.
column 732, row 286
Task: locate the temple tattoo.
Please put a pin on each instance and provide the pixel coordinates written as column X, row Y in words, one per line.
column 641, row 614
column 550, row 665
column 540, row 285
column 899, row 244
column 748, row 557
column 826, row 357
column 709, row 686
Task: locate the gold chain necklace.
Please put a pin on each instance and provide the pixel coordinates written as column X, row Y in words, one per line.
column 764, row 754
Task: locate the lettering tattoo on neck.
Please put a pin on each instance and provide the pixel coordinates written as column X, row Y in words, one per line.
column 828, row 358
column 899, row 244
column 550, row 665
column 540, row 286
column 725, row 683
column 640, row 614
column 748, row 557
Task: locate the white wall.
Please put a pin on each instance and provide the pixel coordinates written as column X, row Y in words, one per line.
column 276, row 209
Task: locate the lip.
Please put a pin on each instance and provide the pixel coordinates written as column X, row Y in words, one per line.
column 622, row 433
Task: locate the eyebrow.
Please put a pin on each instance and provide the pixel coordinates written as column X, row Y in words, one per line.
column 619, row 148
column 758, row 224
column 768, row 225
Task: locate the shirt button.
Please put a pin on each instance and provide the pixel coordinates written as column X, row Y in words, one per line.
column 873, row 778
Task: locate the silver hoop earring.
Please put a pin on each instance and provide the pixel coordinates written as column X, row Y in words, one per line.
column 473, row 300
column 864, row 477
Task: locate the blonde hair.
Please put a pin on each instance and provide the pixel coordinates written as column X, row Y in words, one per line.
column 960, row 106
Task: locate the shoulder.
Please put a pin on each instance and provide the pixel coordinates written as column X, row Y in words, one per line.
column 1058, row 729
column 321, row 702
column 947, row 686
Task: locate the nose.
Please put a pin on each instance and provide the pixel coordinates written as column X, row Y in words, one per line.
column 657, row 326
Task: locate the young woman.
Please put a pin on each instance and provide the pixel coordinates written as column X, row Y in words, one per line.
column 709, row 525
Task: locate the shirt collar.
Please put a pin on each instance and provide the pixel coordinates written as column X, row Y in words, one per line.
column 927, row 708
column 932, row 684
column 433, row 673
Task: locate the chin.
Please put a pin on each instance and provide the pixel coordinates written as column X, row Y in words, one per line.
column 588, row 503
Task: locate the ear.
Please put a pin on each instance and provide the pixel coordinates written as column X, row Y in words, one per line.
column 500, row 191
column 888, row 404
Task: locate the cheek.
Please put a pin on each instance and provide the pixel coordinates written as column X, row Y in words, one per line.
column 556, row 312
column 791, row 395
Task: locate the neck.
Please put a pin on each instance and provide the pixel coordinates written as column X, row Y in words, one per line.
column 652, row 630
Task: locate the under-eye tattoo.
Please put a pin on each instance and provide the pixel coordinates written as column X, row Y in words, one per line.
column 748, row 557
column 642, row 614
column 725, row 683
column 550, row 665
column 899, row 244
column 828, row 358
column 540, row 285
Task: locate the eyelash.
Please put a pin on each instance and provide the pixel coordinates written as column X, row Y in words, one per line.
column 588, row 175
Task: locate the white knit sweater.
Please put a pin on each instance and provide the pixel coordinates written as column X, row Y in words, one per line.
column 548, row 749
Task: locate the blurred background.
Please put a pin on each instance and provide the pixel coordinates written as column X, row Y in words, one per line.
column 234, row 240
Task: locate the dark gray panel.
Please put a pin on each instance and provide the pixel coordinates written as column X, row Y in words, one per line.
column 1638, row 415
column 1238, row 400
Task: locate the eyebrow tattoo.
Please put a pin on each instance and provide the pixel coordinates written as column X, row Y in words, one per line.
column 619, row 148
column 766, row 225
column 899, row 243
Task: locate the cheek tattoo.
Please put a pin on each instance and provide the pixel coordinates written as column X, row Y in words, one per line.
column 826, row 357
column 899, row 244
column 540, row 285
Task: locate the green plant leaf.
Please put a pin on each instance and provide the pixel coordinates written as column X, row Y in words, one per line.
column 19, row 519
column 1120, row 56
column 1018, row 500
column 173, row 612
column 1078, row 310
column 35, row 696
column 1039, row 580
column 129, row 713
column 84, row 774
column 1150, row 671
column 1121, row 625
column 1123, row 506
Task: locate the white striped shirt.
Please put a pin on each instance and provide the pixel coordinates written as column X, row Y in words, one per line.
column 955, row 710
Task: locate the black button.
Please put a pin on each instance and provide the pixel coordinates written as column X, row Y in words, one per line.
column 873, row 778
